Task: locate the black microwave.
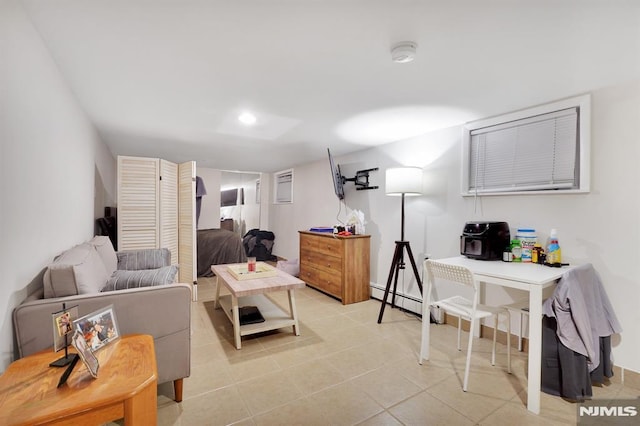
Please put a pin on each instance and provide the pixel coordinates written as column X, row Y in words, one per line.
column 484, row 240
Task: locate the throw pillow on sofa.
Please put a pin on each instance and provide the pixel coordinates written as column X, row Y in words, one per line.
column 131, row 260
column 78, row 270
column 122, row 279
column 106, row 252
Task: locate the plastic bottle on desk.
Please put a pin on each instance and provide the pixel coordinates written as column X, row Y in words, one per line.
column 536, row 253
column 554, row 254
column 528, row 239
column 516, row 251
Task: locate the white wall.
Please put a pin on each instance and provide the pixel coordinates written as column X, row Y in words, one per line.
column 105, row 180
column 47, row 165
column 265, row 196
column 600, row 227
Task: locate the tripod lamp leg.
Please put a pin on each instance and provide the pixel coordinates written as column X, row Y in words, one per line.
column 415, row 268
column 394, row 265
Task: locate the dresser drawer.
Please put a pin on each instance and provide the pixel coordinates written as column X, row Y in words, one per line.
column 322, row 280
column 321, row 260
column 326, row 245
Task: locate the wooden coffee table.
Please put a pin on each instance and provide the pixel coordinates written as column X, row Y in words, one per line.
column 252, row 293
column 126, row 387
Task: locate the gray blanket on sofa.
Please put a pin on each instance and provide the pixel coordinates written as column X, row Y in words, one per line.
column 218, row 246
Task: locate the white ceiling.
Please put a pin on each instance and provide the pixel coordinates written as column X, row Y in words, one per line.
column 167, row 78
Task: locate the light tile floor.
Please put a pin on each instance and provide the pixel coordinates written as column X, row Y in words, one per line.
column 345, row 369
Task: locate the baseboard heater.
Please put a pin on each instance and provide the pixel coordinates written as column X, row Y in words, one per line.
column 407, row 302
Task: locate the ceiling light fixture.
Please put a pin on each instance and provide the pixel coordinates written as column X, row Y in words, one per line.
column 247, row 118
column 404, row 52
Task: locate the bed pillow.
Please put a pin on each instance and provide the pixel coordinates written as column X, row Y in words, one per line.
column 122, row 279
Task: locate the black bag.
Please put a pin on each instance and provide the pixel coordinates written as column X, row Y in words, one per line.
column 259, row 244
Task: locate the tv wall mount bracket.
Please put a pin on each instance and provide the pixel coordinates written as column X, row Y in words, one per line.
column 361, row 179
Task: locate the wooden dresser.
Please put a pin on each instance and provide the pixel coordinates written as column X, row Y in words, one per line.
column 226, row 224
column 336, row 265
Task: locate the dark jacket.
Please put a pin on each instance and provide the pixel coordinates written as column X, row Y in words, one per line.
column 259, row 244
column 565, row 372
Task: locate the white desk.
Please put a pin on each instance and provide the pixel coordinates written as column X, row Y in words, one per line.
column 524, row 276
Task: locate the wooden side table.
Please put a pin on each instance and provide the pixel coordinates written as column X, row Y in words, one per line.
column 126, row 387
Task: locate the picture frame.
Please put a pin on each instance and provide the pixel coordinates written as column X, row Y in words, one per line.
column 87, row 356
column 98, row 328
column 62, row 326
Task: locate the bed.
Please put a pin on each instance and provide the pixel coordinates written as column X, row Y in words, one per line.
column 217, row 246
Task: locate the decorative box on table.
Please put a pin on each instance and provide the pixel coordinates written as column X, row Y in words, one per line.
column 241, row 271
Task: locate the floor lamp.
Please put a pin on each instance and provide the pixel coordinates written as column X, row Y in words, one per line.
column 405, row 182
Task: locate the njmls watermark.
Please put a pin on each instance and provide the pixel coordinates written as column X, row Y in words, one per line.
column 609, row 412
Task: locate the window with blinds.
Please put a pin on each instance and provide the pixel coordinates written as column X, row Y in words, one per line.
column 540, row 149
column 283, row 184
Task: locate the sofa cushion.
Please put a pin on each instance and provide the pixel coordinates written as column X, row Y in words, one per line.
column 104, row 247
column 122, row 279
column 78, row 270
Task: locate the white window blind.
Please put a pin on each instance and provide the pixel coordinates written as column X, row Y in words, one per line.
column 284, row 186
column 524, row 153
column 534, row 153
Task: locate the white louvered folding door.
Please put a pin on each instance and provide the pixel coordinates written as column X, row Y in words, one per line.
column 138, row 193
column 156, row 208
column 187, row 222
column 168, row 205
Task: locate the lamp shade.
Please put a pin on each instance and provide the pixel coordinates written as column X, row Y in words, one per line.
column 404, row 180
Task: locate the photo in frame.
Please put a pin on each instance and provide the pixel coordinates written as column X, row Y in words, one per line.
column 62, row 326
column 86, row 354
column 98, row 328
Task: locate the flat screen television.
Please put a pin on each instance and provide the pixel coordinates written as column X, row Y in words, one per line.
column 229, row 197
column 338, row 180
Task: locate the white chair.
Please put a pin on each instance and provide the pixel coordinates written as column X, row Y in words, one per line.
column 462, row 308
column 520, row 308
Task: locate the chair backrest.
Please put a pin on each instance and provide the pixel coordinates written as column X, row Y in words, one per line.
column 454, row 273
